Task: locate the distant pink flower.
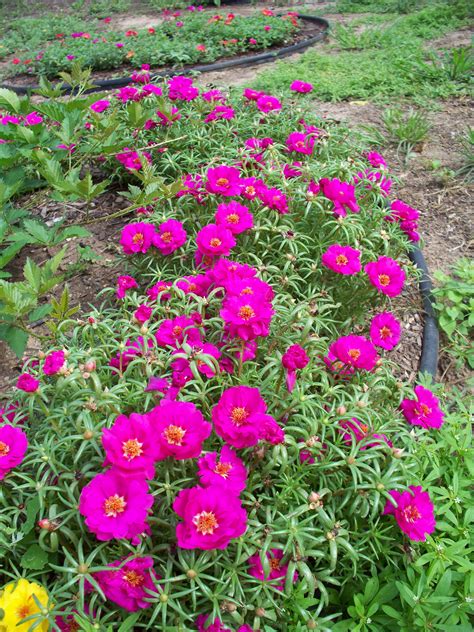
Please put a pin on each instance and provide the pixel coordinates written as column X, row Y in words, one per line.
column 267, row 103
column 220, row 112
column 225, row 271
column 10, row 413
column 13, row 447
column 386, row 275
column 175, row 331
column 205, row 624
column 250, row 286
column 226, row 469
column 355, row 429
column 341, row 194
column 300, row 143
column 252, row 95
column 270, row 431
column 376, row 160
column 169, row 237
column 313, row 188
column 224, row 180
column 423, row 411
column 293, row 170
column 295, row 357
column 278, row 570
column 247, row 316
column 128, row 584
column 194, row 284
column 414, row 512
column 375, row 177
column 150, row 88
column 170, row 117
column 130, row 446
column 351, row 352
column 274, row 199
column 137, row 237
column 215, row 240
column 407, row 217
column 234, row 216
column 211, row 518
column 301, row 86
column 53, row 362
column 143, row 313
column 239, row 416
column 159, row 290
column 128, row 93
column 27, row 383
column 100, row 105
column 342, row 259
column 385, row 331
column 33, row 118
column 183, row 364
column 115, row 506
column 124, row 283
column 182, row 89
column 213, row 95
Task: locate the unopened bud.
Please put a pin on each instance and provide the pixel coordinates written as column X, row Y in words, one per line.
column 163, row 598
column 143, row 330
column 380, row 487
column 397, row 453
column 66, row 353
column 48, row 525
column 350, row 460
column 260, row 612
column 86, row 375
column 330, row 535
column 341, row 410
column 191, row 573
column 91, row 320
column 314, row 497
column 311, row 625
column 88, row 434
column 361, row 404
column 90, row 366
column 82, row 569
column 41, row 355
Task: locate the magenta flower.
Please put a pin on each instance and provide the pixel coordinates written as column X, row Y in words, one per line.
column 341, row 194
column 27, row 383
column 54, row 362
column 239, row 416
column 246, row 317
column 175, row 331
column 211, row 518
column 342, row 259
column 300, row 143
column 226, row 271
column 130, row 445
column 250, row 286
column 234, row 216
column 170, row 236
column 407, row 218
column 169, row 118
column 13, row 447
column 423, row 411
column 33, row 118
column 219, row 113
column 414, row 512
column 100, row 105
column 194, row 284
column 182, row 89
column 213, row 95
column 182, row 365
column 267, row 103
column 295, row 357
column 252, row 95
column 224, row 180
column 205, row 624
column 249, row 188
column 179, row 430
column 355, row 429
column 159, row 290
column 226, row 469
column 132, row 160
column 278, row 570
column 293, row 170
column 137, row 237
column 385, row 331
column 143, row 313
column 270, row 431
column 376, row 160
column 349, row 353
column 274, row 199
column 301, row 86
column 215, row 240
column 128, row 584
column 386, row 275
column 116, row 506
column 124, row 283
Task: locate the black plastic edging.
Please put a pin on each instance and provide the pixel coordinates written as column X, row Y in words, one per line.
column 250, row 60
column 430, row 344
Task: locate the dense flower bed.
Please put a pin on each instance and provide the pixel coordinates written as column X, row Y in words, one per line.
column 222, row 444
column 183, row 37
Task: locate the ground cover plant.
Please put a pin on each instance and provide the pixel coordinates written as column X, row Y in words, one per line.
column 255, row 293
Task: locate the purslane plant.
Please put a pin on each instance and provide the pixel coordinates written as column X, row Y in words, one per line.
column 216, row 444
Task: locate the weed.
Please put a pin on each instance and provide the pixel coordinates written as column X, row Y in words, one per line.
column 467, row 169
column 407, row 129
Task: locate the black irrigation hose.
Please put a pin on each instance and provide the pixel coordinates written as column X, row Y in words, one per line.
column 250, row 60
column 430, row 345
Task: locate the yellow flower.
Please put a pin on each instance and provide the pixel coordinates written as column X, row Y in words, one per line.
column 17, row 602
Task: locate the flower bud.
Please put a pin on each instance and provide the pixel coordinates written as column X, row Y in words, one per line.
column 91, row 320
column 191, row 573
column 143, row 330
column 350, row 460
column 260, row 612
column 82, row 569
column 90, row 366
column 86, row 375
column 48, row 525
column 163, row 598
column 341, row 410
column 88, row 434
column 311, row 625
column 314, row 497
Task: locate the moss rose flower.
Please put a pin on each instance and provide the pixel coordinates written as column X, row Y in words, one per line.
column 225, row 469
column 13, row 447
column 342, row 259
column 386, row 275
column 414, row 512
column 423, row 411
column 128, row 584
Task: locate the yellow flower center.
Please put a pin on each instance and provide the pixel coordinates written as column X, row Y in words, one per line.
column 385, row 332
column 222, row 182
column 246, row 290
column 341, row 260
column 233, row 218
column 131, row 449
column 354, row 353
column 364, row 428
column 114, row 505
column 174, row 435
column 206, row 522
column 177, row 331
column 250, row 190
column 384, row 279
column 246, row 312
column 411, row 513
column 299, row 143
column 223, row 469
column 25, row 610
column 238, row 415
column 274, row 564
column 425, row 410
column 138, row 238
column 215, row 242
column 4, row 449
column 133, row 578
column 167, row 237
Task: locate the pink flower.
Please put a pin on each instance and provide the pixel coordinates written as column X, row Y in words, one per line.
column 355, row 429
column 226, row 271
column 278, row 570
column 385, row 331
column 376, row 160
column 27, row 383
column 220, row 112
column 100, row 105
column 170, row 236
column 300, row 143
column 143, row 313
column 11, row 413
column 267, row 103
column 301, row 86
column 414, row 512
column 175, row 331
column 274, row 199
column 423, row 411
column 170, row 117
column 204, row 624
column 132, row 160
column 181, row 88
column 33, row 118
column 128, row 584
column 159, row 290
column 342, row 259
column 137, row 237
column 53, row 362
column 213, row 95
column 215, row 240
column 115, row 506
column 239, row 416
column 270, row 431
column 250, row 286
column 375, row 177
column 226, row 469
column 130, row 445
column 124, row 283
column 211, row 518
column 386, row 275
column 341, row 194
column 224, row 180
column 293, row 170
column 313, row 188
column 252, row 95
column 351, row 352
column 407, row 217
column 179, row 430
column 249, row 188
column 13, row 447
column 234, row 216
column 295, row 357
column 247, row 316
column 194, row 284
column 182, row 365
